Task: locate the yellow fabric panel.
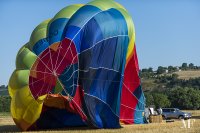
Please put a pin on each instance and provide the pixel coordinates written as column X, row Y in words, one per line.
column 33, row 111
column 18, row 79
column 130, row 50
column 25, row 108
column 41, row 98
column 22, row 124
column 18, row 103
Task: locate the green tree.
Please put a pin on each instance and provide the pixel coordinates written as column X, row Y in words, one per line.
column 161, row 70
column 191, row 66
column 172, row 69
column 150, row 69
column 146, row 73
column 144, row 70
column 149, row 99
column 161, row 100
column 184, row 66
column 184, row 98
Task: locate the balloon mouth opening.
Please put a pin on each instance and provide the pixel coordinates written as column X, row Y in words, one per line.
column 53, row 71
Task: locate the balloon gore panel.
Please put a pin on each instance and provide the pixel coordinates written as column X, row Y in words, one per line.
column 79, row 68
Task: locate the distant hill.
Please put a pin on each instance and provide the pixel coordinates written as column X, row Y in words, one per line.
column 161, row 82
column 188, row 74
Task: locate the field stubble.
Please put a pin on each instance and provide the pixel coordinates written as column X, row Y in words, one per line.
column 7, row 125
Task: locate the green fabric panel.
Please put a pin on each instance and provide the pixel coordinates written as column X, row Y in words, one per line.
column 67, row 12
column 58, row 88
column 39, row 32
column 105, row 4
column 19, row 79
column 25, row 59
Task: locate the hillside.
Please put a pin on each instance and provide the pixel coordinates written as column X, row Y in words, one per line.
column 160, row 82
column 188, row 74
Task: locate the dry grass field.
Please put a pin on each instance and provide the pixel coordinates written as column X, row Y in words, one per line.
column 188, row 74
column 7, row 125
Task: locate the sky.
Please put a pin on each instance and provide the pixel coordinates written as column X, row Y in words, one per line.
column 167, row 31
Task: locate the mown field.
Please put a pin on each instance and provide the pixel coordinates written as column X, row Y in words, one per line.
column 7, row 125
column 188, row 74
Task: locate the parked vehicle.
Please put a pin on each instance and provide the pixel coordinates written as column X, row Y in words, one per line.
column 168, row 113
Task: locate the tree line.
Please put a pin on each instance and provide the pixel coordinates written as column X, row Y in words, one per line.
column 167, row 90
column 5, row 103
column 149, row 72
column 4, row 99
column 178, row 97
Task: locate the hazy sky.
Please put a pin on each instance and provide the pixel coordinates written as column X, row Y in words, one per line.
column 167, row 31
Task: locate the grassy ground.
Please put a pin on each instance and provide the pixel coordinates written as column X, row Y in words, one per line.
column 195, row 113
column 7, row 125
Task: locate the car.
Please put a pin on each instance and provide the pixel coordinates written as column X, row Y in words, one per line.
column 168, row 113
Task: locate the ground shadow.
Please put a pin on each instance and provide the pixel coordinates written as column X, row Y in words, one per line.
column 195, row 117
column 13, row 128
column 9, row 128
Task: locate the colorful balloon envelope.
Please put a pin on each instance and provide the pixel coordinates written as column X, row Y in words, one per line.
column 79, row 68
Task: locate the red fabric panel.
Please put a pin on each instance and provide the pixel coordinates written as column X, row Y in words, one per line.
column 50, row 64
column 130, row 83
column 76, row 103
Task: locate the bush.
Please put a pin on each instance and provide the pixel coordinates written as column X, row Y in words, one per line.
column 157, row 99
column 5, row 103
column 161, row 100
column 184, row 98
column 149, row 99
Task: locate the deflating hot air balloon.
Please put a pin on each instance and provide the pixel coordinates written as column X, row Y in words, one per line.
column 79, row 68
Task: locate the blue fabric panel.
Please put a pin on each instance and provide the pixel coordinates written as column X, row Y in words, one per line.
column 56, row 29
column 104, row 84
column 114, row 25
column 109, row 53
column 98, row 77
column 91, row 35
column 68, row 78
column 40, row 46
column 58, row 118
column 103, row 54
column 83, row 15
column 106, row 52
column 138, row 118
column 100, row 113
column 96, row 29
column 77, row 22
column 74, row 33
column 71, row 32
column 138, row 92
column 119, row 59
